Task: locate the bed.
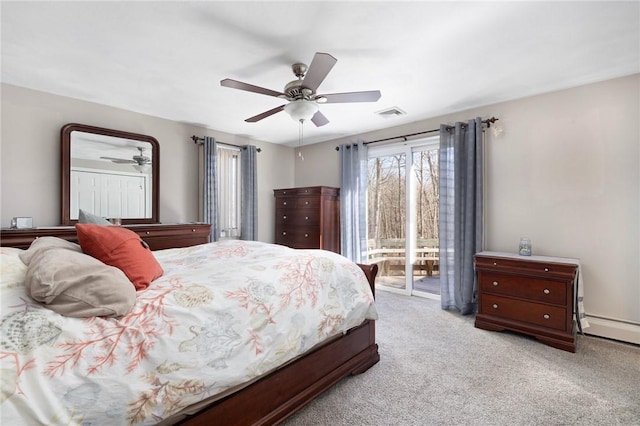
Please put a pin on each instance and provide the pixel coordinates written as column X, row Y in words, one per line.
column 233, row 332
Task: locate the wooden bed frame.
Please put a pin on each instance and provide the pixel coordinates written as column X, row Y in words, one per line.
column 278, row 395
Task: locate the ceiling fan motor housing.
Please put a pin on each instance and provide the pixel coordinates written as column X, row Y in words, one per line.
column 295, row 90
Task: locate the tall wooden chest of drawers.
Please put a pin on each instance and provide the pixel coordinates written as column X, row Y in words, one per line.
column 533, row 295
column 308, row 218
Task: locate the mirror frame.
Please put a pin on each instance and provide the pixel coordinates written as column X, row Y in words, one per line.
column 65, row 170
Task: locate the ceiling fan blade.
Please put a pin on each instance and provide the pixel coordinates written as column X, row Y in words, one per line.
column 118, row 160
column 264, row 114
column 318, row 70
column 319, row 119
column 235, row 84
column 335, row 98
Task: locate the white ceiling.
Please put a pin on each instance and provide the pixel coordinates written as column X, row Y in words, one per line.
column 166, row 59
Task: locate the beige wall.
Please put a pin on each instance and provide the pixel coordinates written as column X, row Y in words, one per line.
column 564, row 172
column 30, row 158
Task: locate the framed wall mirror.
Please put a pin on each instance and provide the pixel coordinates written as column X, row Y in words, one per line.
column 109, row 173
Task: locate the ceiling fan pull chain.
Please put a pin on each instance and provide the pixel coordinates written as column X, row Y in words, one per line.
column 300, row 135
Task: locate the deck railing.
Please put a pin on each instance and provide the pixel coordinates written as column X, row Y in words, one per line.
column 389, row 254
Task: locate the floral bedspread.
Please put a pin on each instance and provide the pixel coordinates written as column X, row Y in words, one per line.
column 222, row 314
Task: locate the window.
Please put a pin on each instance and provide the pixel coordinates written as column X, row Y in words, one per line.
column 229, row 191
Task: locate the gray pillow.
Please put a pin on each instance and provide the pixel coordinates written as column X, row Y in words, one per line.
column 74, row 284
column 86, row 217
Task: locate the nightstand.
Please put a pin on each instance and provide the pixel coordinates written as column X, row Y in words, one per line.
column 528, row 294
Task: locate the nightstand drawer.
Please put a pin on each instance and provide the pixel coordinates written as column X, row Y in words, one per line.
column 526, row 266
column 530, row 288
column 529, row 312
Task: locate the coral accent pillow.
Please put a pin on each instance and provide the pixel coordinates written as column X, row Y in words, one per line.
column 122, row 248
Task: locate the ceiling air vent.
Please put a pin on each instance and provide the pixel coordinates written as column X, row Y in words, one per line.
column 391, row 112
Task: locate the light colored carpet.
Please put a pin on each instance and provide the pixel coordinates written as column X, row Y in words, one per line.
column 436, row 368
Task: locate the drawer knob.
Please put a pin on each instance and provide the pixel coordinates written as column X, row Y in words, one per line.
column 495, row 263
column 306, row 218
column 546, row 316
column 193, row 230
column 495, row 306
column 147, row 232
column 284, row 203
column 546, row 291
column 495, row 283
column 546, row 269
column 284, row 233
column 284, row 217
column 306, row 202
column 306, row 235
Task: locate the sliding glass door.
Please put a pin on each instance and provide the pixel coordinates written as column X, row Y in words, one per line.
column 424, row 218
column 387, row 217
column 403, row 216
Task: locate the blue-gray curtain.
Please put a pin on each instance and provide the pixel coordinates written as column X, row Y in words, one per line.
column 210, row 204
column 461, row 191
column 249, row 222
column 353, row 201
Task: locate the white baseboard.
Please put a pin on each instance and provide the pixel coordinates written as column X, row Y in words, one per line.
column 612, row 329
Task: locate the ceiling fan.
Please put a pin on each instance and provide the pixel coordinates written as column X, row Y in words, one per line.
column 301, row 93
column 139, row 159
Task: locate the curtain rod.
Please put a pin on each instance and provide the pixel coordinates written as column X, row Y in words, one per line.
column 488, row 122
column 196, row 139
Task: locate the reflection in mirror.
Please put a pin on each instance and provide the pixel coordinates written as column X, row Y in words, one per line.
column 109, row 173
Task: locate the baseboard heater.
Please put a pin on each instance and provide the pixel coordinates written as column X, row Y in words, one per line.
column 625, row 331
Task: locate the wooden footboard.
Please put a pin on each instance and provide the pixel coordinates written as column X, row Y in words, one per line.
column 277, row 396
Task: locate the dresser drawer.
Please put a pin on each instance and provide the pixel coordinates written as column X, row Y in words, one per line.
column 291, row 217
column 524, row 287
column 310, row 202
column 298, row 238
column 295, row 233
column 298, row 203
column 286, row 203
column 308, row 243
column 296, row 192
column 529, row 312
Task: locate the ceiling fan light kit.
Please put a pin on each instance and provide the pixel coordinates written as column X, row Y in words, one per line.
column 301, row 110
column 142, row 168
column 301, row 93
